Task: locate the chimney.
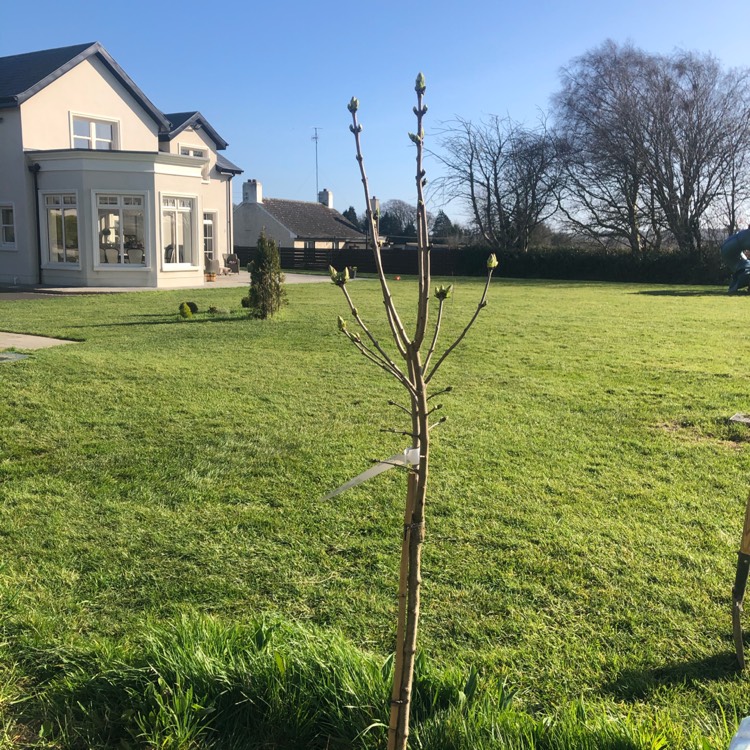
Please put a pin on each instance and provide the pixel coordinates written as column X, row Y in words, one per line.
column 252, row 192
column 325, row 197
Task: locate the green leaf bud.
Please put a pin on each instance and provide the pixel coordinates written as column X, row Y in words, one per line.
column 492, row 262
column 443, row 292
column 353, row 105
column 414, row 138
column 333, row 273
column 342, row 324
column 420, row 85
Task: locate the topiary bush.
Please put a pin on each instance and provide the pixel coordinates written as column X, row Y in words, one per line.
column 267, row 295
column 185, row 310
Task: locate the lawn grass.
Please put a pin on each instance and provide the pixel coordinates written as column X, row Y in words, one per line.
column 585, row 507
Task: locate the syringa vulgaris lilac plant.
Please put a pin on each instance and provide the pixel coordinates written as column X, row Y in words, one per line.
column 414, row 366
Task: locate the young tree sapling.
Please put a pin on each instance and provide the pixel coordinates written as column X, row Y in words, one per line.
column 414, row 372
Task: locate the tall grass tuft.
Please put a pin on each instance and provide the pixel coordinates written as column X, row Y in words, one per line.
column 200, row 683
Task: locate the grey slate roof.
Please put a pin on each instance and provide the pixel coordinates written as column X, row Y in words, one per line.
column 224, row 165
column 19, row 73
column 181, row 120
column 22, row 76
column 311, row 220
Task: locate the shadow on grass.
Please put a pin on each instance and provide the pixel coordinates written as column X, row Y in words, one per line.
column 166, row 321
column 684, row 293
column 640, row 684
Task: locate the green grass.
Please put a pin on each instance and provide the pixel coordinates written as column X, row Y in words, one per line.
column 584, row 513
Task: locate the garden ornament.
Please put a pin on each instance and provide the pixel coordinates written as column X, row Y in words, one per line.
column 735, row 253
column 741, row 740
column 410, row 457
column 738, row 590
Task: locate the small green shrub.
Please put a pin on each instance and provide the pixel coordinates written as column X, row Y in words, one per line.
column 213, row 310
column 193, row 307
column 267, row 295
column 245, row 301
column 185, row 310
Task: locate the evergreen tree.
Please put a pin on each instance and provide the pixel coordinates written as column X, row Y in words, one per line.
column 267, row 293
column 351, row 216
column 410, row 231
column 443, row 227
column 391, row 225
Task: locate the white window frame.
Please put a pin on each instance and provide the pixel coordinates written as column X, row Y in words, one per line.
column 192, row 149
column 120, row 267
column 44, row 230
column 204, row 155
column 197, row 235
column 8, row 246
column 92, row 121
column 214, row 221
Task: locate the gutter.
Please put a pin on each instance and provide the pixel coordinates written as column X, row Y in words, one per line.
column 35, row 169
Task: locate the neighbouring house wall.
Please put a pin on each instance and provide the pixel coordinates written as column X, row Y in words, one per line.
column 18, row 265
column 316, row 244
column 250, row 219
column 89, row 90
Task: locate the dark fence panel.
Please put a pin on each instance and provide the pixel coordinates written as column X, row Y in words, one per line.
column 539, row 263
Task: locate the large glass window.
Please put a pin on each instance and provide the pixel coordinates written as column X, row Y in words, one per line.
column 7, row 228
column 61, row 212
column 208, row 235
column 177, row 230
column 121, row 228
column 94, row 134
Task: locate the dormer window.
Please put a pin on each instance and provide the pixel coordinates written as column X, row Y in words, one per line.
column 199, row 153
column 94, row 134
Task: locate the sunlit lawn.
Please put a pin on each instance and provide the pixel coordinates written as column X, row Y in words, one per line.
column 585, row 508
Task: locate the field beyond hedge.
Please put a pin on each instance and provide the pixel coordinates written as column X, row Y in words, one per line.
column 585, row 508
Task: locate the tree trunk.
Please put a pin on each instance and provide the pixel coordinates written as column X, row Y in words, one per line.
column 411, row 573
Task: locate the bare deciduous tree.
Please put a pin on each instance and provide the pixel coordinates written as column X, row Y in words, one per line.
column 414, row 370
column 508, row 176
column 606, row 196
column 654, row 146
column 695, row 126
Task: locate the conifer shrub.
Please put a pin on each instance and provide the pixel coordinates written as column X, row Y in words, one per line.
column 267, row 294
column 193, row 307
column 185, row 310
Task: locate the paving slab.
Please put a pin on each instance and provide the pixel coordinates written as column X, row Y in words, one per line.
column 25, row 341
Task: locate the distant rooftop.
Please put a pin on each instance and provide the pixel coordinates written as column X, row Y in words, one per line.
column 311, row 220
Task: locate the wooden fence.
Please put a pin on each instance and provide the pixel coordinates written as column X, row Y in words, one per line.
column 396, row 260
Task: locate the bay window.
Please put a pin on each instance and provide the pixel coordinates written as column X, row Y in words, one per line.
column 121, row 228
column 178, row 238
column 61, row 214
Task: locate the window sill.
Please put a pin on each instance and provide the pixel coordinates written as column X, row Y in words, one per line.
column 117, row 267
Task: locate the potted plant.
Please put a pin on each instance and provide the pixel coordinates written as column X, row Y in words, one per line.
column 212, row 268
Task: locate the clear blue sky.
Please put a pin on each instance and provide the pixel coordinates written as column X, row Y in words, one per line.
column 265, row 73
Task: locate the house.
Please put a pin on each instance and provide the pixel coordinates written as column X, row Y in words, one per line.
column 98, row 187
column 292, row 224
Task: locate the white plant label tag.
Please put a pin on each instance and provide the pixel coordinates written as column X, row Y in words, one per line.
column 410, row 457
